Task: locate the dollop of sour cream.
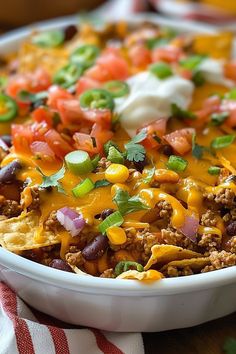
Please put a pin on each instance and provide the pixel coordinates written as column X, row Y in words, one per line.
column 150, row 99
column 213, row 72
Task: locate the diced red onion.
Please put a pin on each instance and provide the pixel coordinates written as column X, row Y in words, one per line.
column 190, row 227
column 71, row 220
column 3, row 145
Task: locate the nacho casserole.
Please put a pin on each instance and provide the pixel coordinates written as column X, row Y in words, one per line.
column 118, row 151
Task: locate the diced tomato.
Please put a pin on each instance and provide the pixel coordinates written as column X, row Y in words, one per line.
column 57, row 93
column 170, row 54
column 230, row 70
column 180, row 140
column 41, row 149
column 86, row 83
column 185, row 73
column 85, row 142
column 42, row 114
column 116, row 66
column 98, row 73
column 100, row 116
column 229, row 106
column 101, row 135
column 22, row 137
column 139, row 55
column 212, row 103
column 70, row 111
column 32, row 82
column 154, row 130
column 59, row 146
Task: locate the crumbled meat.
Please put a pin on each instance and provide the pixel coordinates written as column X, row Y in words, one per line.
column 173, row 271
column 171, row 236
column 231, row 244
column 165, row 209
column 108, row 273
column 230, row 216
column 224, row 196
column 210, row 242
column 52, row 224
column 139, row 241
column 103, row 163
column 209, row 218
column 35, row 199
column 75, row 259
column 10, row 208
column 224, row 173
column 220, row 260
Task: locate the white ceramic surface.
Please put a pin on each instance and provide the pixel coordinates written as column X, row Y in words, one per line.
column 118, row 305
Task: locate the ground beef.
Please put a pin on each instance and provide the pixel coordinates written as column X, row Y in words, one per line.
column 75, row 258
column 173, row 271
column 35, row 199
column 231, row 244
column 210, row 242
column 139, row 241
column 103, row 163
column 165, row 209
column 108, row 273
column 10, row 208
column 170, row 236
column 224, row 196
column 209, row 218
column 230, row 216
column 220, row 260
column 52, row 224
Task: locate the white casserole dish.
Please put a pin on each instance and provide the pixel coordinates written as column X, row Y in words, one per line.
column 118, row 305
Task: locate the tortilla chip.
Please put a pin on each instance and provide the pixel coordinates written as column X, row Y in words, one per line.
column 148, row 275
column 168, row 253
column 194, row 263
column 17, row 234
column 218, row 45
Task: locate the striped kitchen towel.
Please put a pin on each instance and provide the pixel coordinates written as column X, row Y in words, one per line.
column 26, row 331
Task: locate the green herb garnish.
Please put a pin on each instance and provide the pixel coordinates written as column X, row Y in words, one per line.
column 101, row 183
column 115, row 155
column 177, row 163
column 197, row 150
column 198, row 78
column 214, row 170
column 53, row 180
column 222, row 141
column 135, row 151
column 192, row 62
column 219, row 118
column 180, row 113
column 127, row 204
column 115, row 219
column 231, row 94
column 149, row 176
column 161, row 70
column 26, row 96
column 153, row 43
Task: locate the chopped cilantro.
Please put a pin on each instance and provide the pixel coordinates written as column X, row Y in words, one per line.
column 127, row 204
column 135, row 151
column 192, row 62
column 219, row 118
column 198, row 78
column 149, row 176
column 109, row 144
column 53, row 180
column 101, row 183
column 26, row 96
column 222, row 141
column 180, row 113
column 197, row 150
column 153, row 43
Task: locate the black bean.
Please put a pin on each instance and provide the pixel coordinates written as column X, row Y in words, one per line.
column 61, row 265
column 167, row 150
column 96, row 248
column 7, row 140
column 70, row 32
column 106, row 212
column 8, row 172
column 141, row 164
column 231, row 229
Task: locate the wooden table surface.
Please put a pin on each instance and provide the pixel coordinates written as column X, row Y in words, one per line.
column 208, row 338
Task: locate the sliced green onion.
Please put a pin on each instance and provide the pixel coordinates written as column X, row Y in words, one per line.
column 68, row 75
column 95, row 161
column 85, row 55
column 219, row 118
column 180, row 113
column 107, row 146
column 83, row 188
column 214, row 170
column 79, row 162
column 27, row 96
column 49, row 39
column 231, row 94
column 161, row 70
column 177, row 163
column 97, row 99
column 222, row 141
column 115, row 219
column 117, row 88
column 198, row 79
column 153, row 43
column 192, row 62
column 3, row 82
column 124, row 266
column 8, row 108
column 115, row 156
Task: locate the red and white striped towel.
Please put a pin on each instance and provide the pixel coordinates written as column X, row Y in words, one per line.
column 26, row 331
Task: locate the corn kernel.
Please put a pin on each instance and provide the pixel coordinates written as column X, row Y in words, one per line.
column 117, row 173
column 116, row 235
column 118, row 186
